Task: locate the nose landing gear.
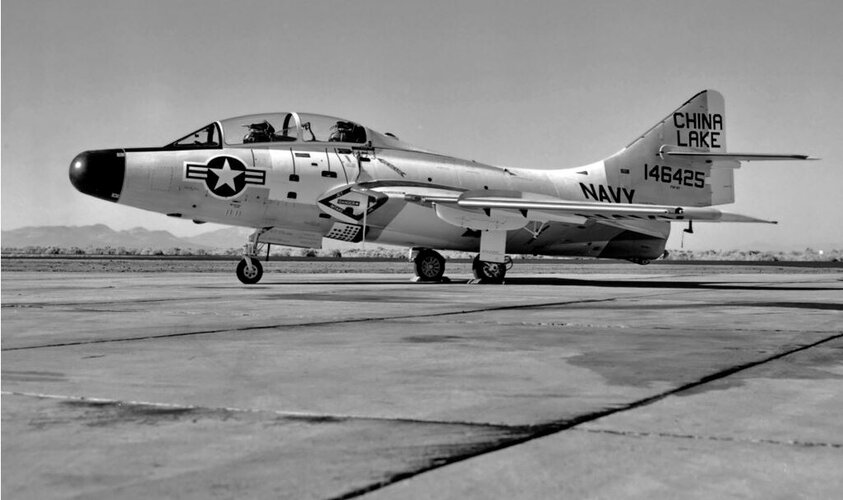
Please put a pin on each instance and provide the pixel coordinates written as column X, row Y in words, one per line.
column 249, row 270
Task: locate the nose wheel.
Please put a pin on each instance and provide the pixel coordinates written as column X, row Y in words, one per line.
column 249, row 270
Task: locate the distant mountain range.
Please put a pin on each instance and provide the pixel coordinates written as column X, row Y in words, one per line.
column 100, row 236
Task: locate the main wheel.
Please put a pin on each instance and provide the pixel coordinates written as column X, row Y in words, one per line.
column 488, row 272
column 429, row 265
column 249, row 274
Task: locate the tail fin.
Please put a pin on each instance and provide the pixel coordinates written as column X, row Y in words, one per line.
column 644, row 166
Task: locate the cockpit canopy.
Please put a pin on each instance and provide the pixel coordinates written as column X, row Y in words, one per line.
column 271, row 128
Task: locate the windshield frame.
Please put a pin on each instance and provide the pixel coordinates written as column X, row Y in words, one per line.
column 217, row 145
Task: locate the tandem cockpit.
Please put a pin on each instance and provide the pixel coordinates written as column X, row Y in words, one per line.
column 271, row 128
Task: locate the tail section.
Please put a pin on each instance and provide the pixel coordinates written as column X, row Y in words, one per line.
column 682, row 160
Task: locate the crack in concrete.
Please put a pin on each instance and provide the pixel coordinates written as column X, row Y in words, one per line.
column 637, row 434
column 550, row 428
column 314, row 417
column 317, row 323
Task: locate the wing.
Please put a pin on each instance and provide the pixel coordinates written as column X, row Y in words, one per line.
column 540, row 208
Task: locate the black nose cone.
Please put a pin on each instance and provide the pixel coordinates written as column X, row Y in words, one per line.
column 99, row 173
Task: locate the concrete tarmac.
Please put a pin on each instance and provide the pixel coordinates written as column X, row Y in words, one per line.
column 600, row 382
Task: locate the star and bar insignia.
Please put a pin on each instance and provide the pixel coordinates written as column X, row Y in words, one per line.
column 224, row 176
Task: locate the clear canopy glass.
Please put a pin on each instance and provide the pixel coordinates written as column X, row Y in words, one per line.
column 273, row 127
column 321, row 128
column 289, row 127
column 253, row 129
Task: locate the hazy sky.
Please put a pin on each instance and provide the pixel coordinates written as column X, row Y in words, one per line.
column 529, row 84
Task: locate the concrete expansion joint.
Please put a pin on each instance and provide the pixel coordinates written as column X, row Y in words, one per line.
column 538, row 431
column 276, row 326
column 291, row 415
column 724, row 373
column 731, row 439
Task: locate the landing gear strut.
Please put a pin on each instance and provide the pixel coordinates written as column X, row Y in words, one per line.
column 429, row 265
column 490, row 272
column 249, row 269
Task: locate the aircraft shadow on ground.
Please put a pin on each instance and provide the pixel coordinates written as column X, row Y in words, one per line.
column 562, row 282
column 662, row 284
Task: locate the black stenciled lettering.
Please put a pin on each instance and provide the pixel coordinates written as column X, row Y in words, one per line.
column 687, row 177
column 666, row 174
column 715, row 136
column 693, row 138
column 589, row 191
column 608, row 194
column 616, row 194
column 654, row 172
column 703, row 127
column 691, row 121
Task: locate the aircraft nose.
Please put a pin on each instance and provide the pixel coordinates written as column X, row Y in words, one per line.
column 99, row 173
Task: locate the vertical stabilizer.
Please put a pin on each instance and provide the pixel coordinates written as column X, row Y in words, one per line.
column 698, row 125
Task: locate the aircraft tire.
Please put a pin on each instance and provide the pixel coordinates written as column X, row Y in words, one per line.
column 429, row 265
column 249, row 275
column 488, row 272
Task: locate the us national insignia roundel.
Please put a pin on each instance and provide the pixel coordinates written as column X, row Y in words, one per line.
column 224, row 176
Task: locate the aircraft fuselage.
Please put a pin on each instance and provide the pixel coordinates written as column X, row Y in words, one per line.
column 279, row 186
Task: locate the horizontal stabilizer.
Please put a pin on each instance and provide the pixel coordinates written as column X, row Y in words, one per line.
column 714, row 156
column 714, row 215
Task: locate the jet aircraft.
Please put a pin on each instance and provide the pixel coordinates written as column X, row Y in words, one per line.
column 298, row 178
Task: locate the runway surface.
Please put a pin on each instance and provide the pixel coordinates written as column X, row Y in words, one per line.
column 598, row 382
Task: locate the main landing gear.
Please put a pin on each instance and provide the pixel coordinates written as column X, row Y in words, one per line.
column 490, row 272
column 429, row 267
